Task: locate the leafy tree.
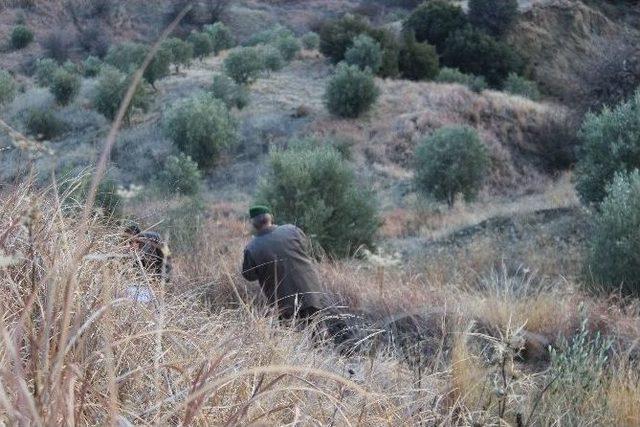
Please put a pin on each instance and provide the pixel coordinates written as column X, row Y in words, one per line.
column 7, row 87
column 159, row 66
column 613, row 258
column 43, row 124
column 126, row 57
column 418, row 61
column 337, row 36
column 201, row 127
column 65, row 86
column 495, row 17
column 21, row 37
column 288, row 46
column 472, row 51
column 202, row 45
column 232, row 94
column 452, row 161
column 518, row 85
column 181, row 52
column 315, row 188
column 272, row 58
column 110, row 90
column 180, row 175
column 91, row 66
column 221, row 37
column 45, row 70
column 244, row 64
column 311, row 40
column 453, row 75
column 270, row 36
column 365, row 53
column 350, row 92
column 434, row 21
column 611, row 143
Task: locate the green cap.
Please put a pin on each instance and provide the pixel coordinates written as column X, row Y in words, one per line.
column 254, row 211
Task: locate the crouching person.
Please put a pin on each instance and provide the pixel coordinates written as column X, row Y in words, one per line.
column 150, row 251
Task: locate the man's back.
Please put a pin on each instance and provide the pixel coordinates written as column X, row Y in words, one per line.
column 278, row 258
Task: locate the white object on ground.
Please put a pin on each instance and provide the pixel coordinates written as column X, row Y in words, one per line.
column 139, row 293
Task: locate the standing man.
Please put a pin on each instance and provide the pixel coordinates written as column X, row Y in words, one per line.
column 278, row 259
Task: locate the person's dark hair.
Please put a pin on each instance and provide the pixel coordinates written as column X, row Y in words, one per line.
column 133, row 229
column 261, row 220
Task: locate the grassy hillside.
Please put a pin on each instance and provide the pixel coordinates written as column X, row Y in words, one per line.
column 483, row 311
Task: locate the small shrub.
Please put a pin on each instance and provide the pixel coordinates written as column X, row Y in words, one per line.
column 288, row 46
column 7, row 87
column 159, row 66
column 365, row 53
column 337, row 36
column 434, row 21
column 71, row 67
column 272, row 58
column 418, row 61
column 232, row 94
column 43, row 124
column 350, row 92
column 180, row 175
column 91, row 66
column 201, row 43
column 269, row 36
column 495, row 17
column 244, row 64
column 221, row 37
column 108, row 202
column 453, row 75
column 452, row 161
column 315, row 189
column 21, row 37
column 126, row 57
column 611, row 143
column 45, row 70
column 518, row 85
column 615, row 243
column 110, row 90
column 472, row 51
column 201, row 127
column 65, row 86
column 181, row 52
column 311, row 40
column 56, row 46
column 185, row 224
column 94, row 41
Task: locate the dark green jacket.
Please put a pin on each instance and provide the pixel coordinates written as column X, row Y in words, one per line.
column 278, row 259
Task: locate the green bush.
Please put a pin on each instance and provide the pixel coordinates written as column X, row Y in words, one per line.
column 315, row 189
column 221, row 37
column 418, row 61
column 232, row 94
column 611, row 143
column 21, row 36
column 311, row 40
column 518, row 85
column 159, row 66
column 350, row 92
column 269, row 36
column 71, row 67
column 65, row 86
column 472, row 51
column 181, row 52
column 244, row 64
column 434, row 21
column 180, row 175
column 202, row 45
column 7, row 87
column 337, row 36
column 43, row 124
column 365, row 53
column 91, row 66
column 288, row 47
column 272, row 58
column 613, row 259
column 110, row 90
column 108, row 202
column 126, row 57
column 201, row 127
column 453, row 75
column 45, row 69
column 495, row 17
column 452, row 161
